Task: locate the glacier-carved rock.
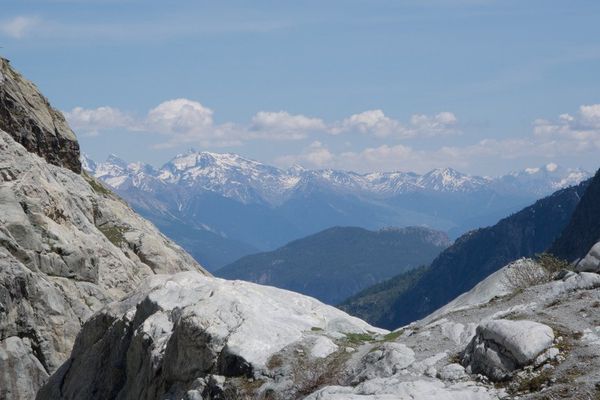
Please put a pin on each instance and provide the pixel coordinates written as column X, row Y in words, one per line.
column 501, row 346
column 177, row 329
column 67, row 247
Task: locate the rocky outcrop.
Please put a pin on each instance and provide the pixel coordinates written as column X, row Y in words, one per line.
column 28, row 117
column 591, row 262
column 67, row 247
column 501, row 346
column 189, row 337
column 175, row 336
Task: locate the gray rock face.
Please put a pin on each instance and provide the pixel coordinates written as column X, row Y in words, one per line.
column 192, row 337
column 591, row 262
column 28, row 117
column 185, row 332
column 501, row 346
column 67, row 247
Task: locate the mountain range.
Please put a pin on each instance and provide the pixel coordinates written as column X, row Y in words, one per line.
column 221, row 207
column 473, row 257
column 95, row 303
column 338, row 262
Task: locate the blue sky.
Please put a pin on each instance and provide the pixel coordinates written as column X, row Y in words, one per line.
column 483, row 86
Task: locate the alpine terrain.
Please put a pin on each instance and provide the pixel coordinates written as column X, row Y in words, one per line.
column 68, row 246
column 471, row 258
column 338, row 262
column 95, row 303
column 220, row 207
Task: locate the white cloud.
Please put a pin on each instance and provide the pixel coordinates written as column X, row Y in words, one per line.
column 188, row 121
column 580, row 131
column 401, row 157
column 284, row 125
column 184, row 121
column 142, row 29
column 371, row 122
column 180, row 116
column 376, row 123
column 19, row 27
column 318, row 155
column 440, row 124
column 93, row 121
column 591, row 114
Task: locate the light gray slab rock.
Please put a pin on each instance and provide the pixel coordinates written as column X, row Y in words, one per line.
column 67, row 247
column 21, row 373
column 176, row 329
column 591, row 262
column 501, row 346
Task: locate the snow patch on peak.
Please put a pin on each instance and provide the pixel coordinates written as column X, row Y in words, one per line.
column 87, row 163
column 116, row 160
column 532, row 171
column 252, row 182
column 551, row 167
column 448, row 179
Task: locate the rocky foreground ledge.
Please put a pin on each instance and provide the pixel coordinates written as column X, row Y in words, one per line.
column 192, row 337
column 178, row 336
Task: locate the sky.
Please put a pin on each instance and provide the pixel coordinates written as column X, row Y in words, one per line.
column 483, row 86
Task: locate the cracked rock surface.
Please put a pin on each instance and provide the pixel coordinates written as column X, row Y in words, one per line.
column 67, row 247
column 501, row 346
column 182, row 333
column 28, row 117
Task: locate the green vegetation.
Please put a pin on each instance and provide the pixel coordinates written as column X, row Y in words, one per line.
column 390, row 337
column 359, row 338
column 550, row 263
column 339, row 262
column 473, row 257
column 534, row 383
column 374, row 303
column 96, row 185
column 583, row 230
column 114, row 234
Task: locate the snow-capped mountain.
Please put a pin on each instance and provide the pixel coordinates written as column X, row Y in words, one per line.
column 223, row 206
column 541, row 180
column 249, row 181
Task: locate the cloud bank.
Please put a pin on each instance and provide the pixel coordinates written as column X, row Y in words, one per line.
column 566, row 135
column 184, row 121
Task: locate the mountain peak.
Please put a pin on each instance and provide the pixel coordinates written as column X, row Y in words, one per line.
column 87, row 164
column 296, row 169
column 116, row 160
column 28, row 117
column 246, row 180
column 445, row 171
column 450, row 180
